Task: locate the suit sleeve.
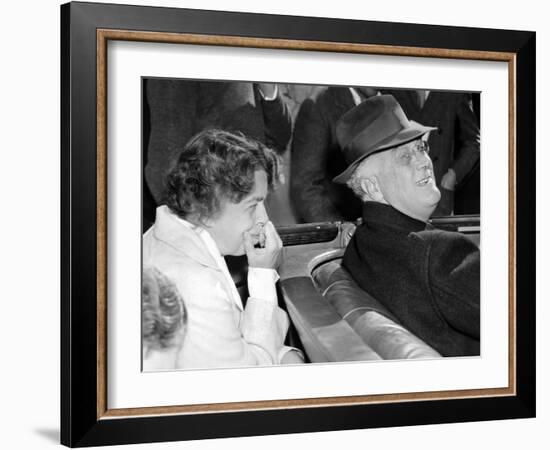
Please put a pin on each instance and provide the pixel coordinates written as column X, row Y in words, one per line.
column 310, row 148
column 467, row 155
column 454, row 281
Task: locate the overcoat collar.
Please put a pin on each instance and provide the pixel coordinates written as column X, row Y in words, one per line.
column 388, row 216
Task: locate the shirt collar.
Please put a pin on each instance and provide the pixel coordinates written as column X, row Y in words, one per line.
column 216, row 255
column 182, row 235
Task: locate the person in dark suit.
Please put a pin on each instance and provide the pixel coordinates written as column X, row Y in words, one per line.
column 316, row 156
column 428, row 279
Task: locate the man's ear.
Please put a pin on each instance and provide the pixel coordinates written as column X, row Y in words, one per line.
column 371, row 188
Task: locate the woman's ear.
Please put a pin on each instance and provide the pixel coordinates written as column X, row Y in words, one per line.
column 205, row 222
column 371, row 188
column 197, row 221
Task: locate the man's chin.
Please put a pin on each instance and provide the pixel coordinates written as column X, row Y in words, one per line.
column 434, row 195
column 434, row 202
column 431, row 199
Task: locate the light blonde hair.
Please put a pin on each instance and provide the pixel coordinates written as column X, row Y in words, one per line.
column 163, row 310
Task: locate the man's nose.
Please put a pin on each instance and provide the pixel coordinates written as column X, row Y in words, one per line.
column 423, row 160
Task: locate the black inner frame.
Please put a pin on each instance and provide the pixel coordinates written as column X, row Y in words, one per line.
column 79, row 423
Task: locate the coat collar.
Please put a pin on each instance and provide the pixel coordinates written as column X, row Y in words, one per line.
column 388, row 216
column 170, row 229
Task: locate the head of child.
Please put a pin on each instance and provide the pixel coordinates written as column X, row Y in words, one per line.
column 163, row 321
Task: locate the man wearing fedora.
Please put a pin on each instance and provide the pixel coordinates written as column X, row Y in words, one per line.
column 428, row 278
column 316, row 156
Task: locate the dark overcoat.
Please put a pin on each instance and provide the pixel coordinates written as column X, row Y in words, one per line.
column 427, row 278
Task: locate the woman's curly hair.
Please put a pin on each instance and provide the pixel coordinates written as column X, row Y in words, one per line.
column 163, row 310
column 217, row 165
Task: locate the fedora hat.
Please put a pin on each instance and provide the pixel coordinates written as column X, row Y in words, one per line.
column 377, row 124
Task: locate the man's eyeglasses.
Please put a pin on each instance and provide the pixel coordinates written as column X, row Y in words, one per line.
column 407, row 152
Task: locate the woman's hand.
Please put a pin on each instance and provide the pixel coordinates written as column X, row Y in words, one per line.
column 266, row 257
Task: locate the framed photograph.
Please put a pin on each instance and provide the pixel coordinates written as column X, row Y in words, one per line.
column 217, row 204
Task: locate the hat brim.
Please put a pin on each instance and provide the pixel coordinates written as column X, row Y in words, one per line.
column 404, row 136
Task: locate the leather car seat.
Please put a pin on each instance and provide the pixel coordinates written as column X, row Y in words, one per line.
column 378, row 328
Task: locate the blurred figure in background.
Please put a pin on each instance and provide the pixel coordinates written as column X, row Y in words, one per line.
column 316, row 157
column 179, row 109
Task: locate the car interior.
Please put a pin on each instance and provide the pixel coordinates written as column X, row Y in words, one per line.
column 332, row 318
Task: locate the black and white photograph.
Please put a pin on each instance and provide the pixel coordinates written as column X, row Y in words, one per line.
column 288, row 224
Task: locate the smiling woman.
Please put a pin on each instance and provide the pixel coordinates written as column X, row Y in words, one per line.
column 215, row 196
column 238, row 223
column 223, row 188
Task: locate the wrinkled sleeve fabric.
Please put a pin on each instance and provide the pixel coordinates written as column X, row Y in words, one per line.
column 264, row 325
column 310, row 148
column 261, row 286
column 217, row 334
column 467, row 155
column 454, row 267
column 261, row 283
column 263, row 321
